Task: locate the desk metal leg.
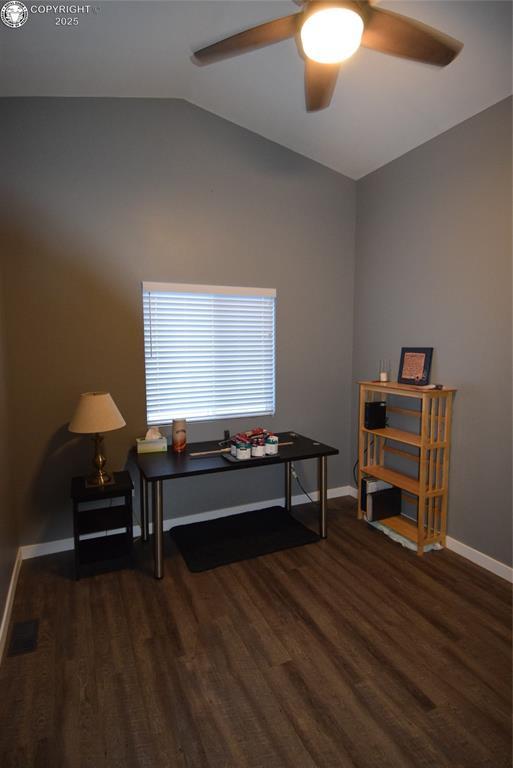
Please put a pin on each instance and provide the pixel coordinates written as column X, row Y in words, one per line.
column 158, row 533
column 144, row 506
column 323, row 496
column 288, row 485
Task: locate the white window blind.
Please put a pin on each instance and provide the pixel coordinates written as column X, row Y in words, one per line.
column 209, row 351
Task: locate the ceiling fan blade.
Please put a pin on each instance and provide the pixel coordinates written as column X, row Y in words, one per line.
column 320, row 81
column 257, row 37
column 398, row 35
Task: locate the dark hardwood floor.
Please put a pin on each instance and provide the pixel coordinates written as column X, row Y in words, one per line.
column 349, row 652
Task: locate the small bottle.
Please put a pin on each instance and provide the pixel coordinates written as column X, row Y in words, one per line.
column 271, row 445
column 257, row 447
column 179, row 435
column 243, row 451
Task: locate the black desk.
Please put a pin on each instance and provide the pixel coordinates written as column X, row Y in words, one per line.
column 156, row 467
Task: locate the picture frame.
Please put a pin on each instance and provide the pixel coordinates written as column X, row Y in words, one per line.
column 415, row 366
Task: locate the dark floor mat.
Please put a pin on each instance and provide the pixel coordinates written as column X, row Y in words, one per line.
column 239, row 537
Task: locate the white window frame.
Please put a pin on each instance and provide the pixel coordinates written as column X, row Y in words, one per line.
column 156, row 413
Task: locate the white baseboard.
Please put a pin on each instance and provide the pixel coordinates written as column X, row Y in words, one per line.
column 474, row 555
column 479, row 558
column 62, row 545
column 9, row 602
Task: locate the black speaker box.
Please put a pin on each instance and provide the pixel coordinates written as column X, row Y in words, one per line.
column 375, row 416
column 385, row 504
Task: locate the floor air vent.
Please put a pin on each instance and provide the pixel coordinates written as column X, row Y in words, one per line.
column 23, row 637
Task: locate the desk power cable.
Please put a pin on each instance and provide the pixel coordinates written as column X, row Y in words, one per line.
column 356, row 464
column 298, row 481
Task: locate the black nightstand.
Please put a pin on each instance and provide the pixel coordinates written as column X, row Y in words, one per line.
column 110, row 551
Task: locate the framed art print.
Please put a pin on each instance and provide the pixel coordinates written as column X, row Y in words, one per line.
column 415, row 365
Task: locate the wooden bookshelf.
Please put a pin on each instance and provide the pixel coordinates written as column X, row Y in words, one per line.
column 428, row 433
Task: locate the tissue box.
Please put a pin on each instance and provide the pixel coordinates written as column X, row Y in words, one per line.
column 151, row 446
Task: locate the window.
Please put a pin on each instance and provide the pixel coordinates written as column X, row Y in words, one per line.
column 209, row 351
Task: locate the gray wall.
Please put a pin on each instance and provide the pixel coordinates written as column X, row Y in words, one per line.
column 8, row 533
column 99, row 195
column 434, row 269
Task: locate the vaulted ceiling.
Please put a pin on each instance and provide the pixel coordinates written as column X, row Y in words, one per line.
column 383, row 106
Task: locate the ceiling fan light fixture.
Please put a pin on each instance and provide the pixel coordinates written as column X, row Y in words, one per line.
column 332, row 35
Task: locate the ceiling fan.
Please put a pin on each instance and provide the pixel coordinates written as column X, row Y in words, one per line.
column 327, row 33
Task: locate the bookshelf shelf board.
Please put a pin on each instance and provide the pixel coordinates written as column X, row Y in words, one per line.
column 405, row 482
column 402, row 525
column 400, row 435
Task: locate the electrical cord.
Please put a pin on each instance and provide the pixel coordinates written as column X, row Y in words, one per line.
column 354, row 468
column 357, row 461
column 298, row 481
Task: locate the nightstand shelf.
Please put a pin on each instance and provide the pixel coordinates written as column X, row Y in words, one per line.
column 112, row 549
column 104, row 549
column 103, row 519
column 426, row 446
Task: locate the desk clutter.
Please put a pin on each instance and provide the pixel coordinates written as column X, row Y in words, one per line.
column 156, row 442
column 253, row 444
column 257, row 443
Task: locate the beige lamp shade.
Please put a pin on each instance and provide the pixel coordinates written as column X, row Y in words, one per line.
column 96, row 412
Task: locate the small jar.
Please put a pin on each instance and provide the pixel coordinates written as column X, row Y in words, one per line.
column 233, row 448
column 384, row 368
column 271, row 445
column 243, row 451
column 257, row 447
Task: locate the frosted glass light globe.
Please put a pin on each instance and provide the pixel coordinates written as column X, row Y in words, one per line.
column 332, row 35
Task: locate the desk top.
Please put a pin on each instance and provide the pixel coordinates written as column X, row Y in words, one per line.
column 165, row 466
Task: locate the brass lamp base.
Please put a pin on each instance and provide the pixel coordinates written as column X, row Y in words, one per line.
column 100, row 477
column 99, row 480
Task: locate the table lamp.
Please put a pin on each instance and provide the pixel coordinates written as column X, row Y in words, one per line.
column 97, row 412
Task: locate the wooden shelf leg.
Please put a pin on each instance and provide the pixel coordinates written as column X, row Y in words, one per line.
column 361, row 412
column 421, row 514
column 445, row 470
